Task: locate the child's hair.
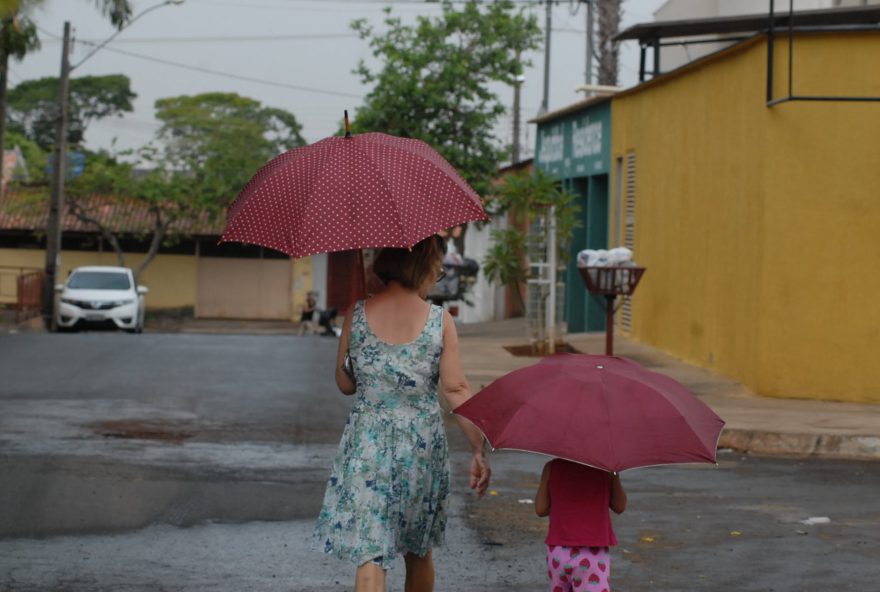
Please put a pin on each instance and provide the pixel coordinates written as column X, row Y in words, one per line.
column 410, row 267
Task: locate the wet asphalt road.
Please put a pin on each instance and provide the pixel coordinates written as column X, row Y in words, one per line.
column 197, row 462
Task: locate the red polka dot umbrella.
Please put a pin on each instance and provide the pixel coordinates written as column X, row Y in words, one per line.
column 603, row 411
column 354, row 192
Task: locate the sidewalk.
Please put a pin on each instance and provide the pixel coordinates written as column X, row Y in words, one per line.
column 760, row 425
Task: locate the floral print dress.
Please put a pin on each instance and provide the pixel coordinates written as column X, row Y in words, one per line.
column 388, row 487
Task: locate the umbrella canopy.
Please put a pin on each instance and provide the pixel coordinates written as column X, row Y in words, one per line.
column 343, row 193
column 602, row 411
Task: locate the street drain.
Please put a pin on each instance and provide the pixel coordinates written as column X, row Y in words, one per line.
column 139, row 430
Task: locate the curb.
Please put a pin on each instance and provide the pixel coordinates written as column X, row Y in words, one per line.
column 855, row 447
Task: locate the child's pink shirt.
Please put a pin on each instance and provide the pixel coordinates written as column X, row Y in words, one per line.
column 579, row 498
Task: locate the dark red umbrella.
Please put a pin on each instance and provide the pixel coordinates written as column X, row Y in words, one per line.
column 354, row 192
column 602, row 411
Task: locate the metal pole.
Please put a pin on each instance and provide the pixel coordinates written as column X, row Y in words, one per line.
column 56, row 203
column 770, row 54
column 545, row 102
column 656, row 52
column 517, row 88
column 551, row 276
column 790, row 44
column 642, row 50
column 589, row 69
column 609, row 324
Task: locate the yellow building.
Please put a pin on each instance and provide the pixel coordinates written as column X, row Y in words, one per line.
column 759, row 225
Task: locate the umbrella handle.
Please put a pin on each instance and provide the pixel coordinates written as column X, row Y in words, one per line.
column 347, row 125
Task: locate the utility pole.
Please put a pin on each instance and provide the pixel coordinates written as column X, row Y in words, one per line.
column 56, row 205
column 517, row 88
column 545, row 103
column 588, row 73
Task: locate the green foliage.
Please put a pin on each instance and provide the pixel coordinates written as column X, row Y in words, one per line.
column 32, row 105
column 526, row 197
column 215, row 142
column 505, row 262
column 103, row 174
column 18, row 37
column 117, row 11
column 435, row 76
column 208, row 147
column 35, row 158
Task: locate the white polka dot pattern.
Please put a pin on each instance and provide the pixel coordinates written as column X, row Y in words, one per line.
column 367, row 191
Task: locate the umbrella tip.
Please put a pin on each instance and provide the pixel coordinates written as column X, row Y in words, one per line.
column 347, row 125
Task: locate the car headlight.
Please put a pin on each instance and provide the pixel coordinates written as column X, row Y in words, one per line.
column 115, row 303
column 71, row 301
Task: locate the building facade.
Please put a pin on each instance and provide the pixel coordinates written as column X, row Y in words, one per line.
column 574, row 146
column 758, row 224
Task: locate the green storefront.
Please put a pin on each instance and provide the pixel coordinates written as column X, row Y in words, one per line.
column 574, row 145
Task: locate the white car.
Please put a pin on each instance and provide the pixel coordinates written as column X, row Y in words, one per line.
column 101, row 296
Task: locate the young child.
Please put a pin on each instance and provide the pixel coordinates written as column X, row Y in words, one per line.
column 577, row 498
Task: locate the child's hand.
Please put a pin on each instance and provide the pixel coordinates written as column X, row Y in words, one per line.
column 480, row 474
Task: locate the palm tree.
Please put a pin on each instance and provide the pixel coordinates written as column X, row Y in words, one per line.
column 609, row 25
column 18, row 37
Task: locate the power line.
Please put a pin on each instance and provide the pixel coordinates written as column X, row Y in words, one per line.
column 228, row 75
column 246, row 38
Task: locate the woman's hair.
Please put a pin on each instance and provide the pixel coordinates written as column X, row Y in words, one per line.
column 410, row 267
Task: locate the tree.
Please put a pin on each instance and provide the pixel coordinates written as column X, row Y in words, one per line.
column 527, row 197
column 32, row 106
column 18, row 37
column 208, row 147
column 434, row 82
column 221, row 139
column 609, row 25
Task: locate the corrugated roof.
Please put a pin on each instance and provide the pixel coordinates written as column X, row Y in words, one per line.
column 751, row 23
column 28, row 210
column 572, row 108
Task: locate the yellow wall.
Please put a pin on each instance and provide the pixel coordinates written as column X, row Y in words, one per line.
column 170, row 278
column 759, row 226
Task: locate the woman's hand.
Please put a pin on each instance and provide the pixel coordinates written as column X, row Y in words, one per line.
column 481, row 472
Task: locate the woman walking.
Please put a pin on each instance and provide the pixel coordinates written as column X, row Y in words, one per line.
column 389, row 484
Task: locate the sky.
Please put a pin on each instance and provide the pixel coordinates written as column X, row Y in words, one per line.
column 297, row 55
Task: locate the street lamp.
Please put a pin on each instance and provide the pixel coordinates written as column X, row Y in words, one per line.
column 56, row 201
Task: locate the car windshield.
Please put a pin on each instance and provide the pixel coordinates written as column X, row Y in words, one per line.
column 99, row 280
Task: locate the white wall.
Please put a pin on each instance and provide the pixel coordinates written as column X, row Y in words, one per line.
column 319, row 278
column 488, row 299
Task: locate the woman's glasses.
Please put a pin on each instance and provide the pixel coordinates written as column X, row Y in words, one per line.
column 441, row 275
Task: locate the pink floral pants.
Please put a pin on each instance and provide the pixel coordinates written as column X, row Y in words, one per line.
column 579, row 569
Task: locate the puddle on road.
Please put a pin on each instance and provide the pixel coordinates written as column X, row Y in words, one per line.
column 140, row 430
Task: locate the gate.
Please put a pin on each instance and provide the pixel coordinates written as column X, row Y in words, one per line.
column 21, row 289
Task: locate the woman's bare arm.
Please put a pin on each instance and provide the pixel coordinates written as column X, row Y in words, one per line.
column 542, row 498
column 345, row 384
column 455, row 389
